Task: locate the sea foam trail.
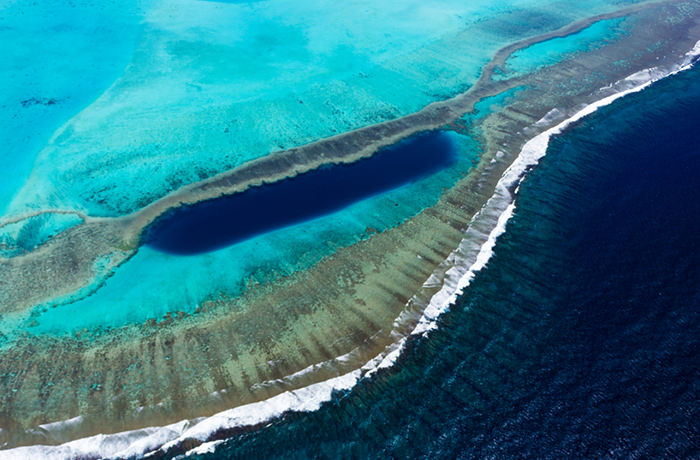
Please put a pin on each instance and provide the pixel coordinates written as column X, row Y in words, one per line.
column 465, row 262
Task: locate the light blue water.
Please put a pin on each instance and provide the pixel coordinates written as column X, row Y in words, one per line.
column 21, row 237
column 57, row 58
column 211, row 85
column 552, row 51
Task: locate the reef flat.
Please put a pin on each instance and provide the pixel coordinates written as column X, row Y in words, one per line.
column 289, row 319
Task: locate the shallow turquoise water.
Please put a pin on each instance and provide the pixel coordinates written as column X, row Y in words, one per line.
column 552, row 51
column 21, row 237
column 210, row 85
column 57, row 58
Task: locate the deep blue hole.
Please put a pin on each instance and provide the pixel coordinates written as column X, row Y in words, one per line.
column 222, row 221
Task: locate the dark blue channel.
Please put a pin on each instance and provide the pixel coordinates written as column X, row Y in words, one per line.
column 220, row 222
column 579, row 340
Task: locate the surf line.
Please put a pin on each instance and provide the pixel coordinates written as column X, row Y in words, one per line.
column 500, row 207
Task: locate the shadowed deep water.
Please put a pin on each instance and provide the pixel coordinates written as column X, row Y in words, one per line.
column 580, row 339
column 217, row 223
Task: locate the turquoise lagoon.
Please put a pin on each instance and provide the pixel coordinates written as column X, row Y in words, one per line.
column 58, row 58
column 548, row 53
column 185, row 89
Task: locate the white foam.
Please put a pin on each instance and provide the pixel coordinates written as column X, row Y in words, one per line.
column 205, row 448
column 304, row 399
column 118, row 445
column 694, row 52
column 464, row 263
column 63, row 424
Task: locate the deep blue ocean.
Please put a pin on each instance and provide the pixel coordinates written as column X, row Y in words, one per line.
column 581, row 338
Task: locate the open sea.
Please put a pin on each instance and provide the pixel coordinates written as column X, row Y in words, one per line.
column 581, row 337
